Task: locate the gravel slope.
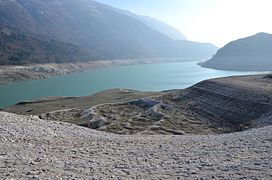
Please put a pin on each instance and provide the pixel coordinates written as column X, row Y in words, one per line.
column 31, row 148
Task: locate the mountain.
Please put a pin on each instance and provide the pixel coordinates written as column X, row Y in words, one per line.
column 106, row 33
column 251, row 53
column 19, row 49
column 155, row 24
column 162, row 27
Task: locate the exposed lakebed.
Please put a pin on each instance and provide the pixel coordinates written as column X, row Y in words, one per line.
column 144, row 77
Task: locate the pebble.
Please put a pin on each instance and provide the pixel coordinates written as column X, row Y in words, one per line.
column 83, row 153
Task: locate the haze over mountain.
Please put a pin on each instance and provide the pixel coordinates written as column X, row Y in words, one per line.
column 251, row 53
column 163, row 28
column 104, row 32
column 156, row 24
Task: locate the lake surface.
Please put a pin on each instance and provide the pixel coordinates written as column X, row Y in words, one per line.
column 144, row 77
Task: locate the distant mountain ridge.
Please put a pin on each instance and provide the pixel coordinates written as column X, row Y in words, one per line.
column 163, row 28
column 251, row 53
column 104, row 32
column 155, row 24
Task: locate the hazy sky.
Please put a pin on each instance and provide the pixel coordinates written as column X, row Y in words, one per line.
column 215, row 21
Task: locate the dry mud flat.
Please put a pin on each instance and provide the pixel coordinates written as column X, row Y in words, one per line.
column 31, row 148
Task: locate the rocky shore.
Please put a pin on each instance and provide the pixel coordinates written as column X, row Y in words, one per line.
column 9, row 74
column 32, row 148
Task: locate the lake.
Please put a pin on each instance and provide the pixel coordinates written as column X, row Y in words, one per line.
column 144, row 77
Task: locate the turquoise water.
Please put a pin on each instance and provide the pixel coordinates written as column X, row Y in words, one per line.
column 144, row 77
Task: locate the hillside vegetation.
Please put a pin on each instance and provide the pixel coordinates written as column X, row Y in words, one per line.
column 20, row 49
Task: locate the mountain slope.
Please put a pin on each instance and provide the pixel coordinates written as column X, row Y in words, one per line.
column 156, row 25
column 106, row 33
column 163, row 28
column 251, row 53
column 19, row 49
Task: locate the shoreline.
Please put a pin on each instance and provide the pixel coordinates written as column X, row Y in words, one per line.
column 119, row 111
column 17, row 73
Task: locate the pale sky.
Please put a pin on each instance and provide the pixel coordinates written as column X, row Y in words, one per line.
column 214, row 21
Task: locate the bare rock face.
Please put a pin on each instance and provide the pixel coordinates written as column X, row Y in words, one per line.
column 32, row 148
